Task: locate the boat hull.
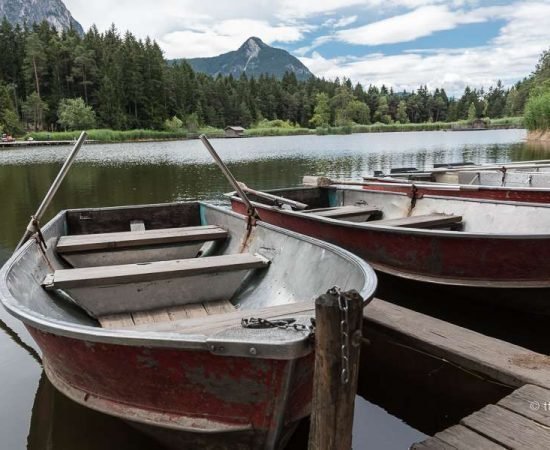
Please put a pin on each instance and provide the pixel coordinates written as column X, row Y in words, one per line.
column 490, row 264
column 529, row 195
column 181, row 396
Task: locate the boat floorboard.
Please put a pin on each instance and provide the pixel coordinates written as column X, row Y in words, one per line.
column 191, row 311
column 203, row 319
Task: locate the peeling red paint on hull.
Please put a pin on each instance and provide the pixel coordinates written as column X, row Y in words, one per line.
column 483, row 263
column 485, row 193
column 199, row 396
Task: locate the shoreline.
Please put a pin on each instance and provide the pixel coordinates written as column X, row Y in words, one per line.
column 70, row 138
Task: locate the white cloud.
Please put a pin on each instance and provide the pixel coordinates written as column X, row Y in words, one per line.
column 223, row 37
column 421, row 22
column 509, row 57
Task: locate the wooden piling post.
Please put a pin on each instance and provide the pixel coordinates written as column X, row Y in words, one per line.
column 334, row 390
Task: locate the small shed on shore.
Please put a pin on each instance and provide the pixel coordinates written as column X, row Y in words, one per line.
column 233, row 131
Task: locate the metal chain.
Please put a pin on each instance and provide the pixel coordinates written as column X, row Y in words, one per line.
column 283, row 324
column 343, row 305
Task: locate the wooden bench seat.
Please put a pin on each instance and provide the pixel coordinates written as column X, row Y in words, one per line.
column 350, row 213
column 131, row 288
column 424, row 221
column 136, row 246
column 125, row 239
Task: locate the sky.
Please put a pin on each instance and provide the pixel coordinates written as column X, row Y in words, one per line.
column 399, row 43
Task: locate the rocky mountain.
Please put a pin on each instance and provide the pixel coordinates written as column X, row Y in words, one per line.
column 254, row 58
column 32, row 11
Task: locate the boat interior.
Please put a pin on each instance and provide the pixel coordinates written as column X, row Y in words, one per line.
column 363, row 207
column 182, row 267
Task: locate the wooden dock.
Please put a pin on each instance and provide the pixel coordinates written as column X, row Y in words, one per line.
column 519, row 421
column 508, row 386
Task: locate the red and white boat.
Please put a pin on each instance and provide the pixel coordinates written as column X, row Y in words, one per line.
column 137, row 311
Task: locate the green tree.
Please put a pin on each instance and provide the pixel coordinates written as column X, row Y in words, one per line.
column 537, row 111
column 35, row 59
column 472, row 113
column 401, row 115
column 33, row 111
column 381, row 114
column 321, row 113
column 74, row 114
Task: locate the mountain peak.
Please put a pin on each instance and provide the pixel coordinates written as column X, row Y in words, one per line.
column 254, row 58
column 253, row 42
column 53, row 11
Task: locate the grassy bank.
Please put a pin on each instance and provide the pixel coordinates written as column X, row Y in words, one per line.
column 104, row 135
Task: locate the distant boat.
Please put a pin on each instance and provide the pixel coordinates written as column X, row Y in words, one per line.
column 493, row 249
column 138, row 312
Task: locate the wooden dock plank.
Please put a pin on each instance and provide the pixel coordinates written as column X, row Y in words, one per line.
column 463, row 438
column 432, row 444
column 510, row 429
column 529, row 401
column 492, row 358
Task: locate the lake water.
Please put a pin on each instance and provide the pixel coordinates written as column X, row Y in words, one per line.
column 32, row 414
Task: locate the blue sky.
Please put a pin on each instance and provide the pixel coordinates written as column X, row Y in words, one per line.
column 400, row 43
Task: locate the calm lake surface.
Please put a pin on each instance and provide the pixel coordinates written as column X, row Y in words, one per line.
column 32, row 414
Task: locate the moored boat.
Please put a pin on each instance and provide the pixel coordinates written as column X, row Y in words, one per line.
column 526, row 174
column 138, row 312
column 494, row 249
column 505, row 193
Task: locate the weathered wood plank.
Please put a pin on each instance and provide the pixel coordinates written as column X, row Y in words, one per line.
column 508, row 428
column 432, row 444
column 529, row 401
column 102, row 220
column 492, row 358
column 116, row 321
column 218, row 307
column 195, row 310
column 221, row 321
column 463, row 438
column 424, row 221
column 126, row 239
column 345, row 212
column 137, row 225
column 157, row 270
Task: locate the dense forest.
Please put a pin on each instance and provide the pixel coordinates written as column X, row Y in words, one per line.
column 55, row 81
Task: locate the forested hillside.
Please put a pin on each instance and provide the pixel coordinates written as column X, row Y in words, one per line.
column 125, row 83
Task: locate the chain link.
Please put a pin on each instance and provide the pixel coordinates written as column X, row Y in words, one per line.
column 343, row 306
column 282, row 324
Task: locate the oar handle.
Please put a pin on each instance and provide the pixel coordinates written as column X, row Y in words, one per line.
column 251, row 211
column 35, row 218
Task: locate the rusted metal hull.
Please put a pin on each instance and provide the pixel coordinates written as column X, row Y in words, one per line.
column 530, row 195
column 485, row 262
column 179, row 395
column 194, row 382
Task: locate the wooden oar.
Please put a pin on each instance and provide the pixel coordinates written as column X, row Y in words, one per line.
column 250, row 210
column 276, row 198
column 33, row 225
column 325, row 181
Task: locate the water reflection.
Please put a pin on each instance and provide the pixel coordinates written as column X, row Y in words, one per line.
column 58, row 423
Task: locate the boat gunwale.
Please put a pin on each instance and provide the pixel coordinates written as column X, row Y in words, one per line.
column 154, row 338
column 390, row 181
column 400, row 230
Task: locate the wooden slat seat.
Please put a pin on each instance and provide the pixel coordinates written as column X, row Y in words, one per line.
column 423, row 221
column 158, row 270
column 350, row 212
column 127, row 239
column 131, row 288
